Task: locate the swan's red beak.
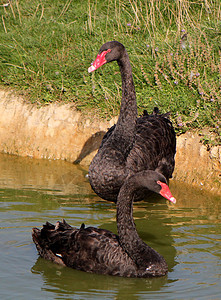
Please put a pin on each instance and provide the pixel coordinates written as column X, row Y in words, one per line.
column 165, row 192
column 99, row 61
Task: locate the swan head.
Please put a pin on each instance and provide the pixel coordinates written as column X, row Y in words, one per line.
column 153, row 181
column 108, row 52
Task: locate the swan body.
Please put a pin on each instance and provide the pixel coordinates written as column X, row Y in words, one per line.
column 135, row 143
column 100, row 251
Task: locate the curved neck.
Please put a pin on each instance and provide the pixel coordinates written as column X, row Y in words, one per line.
column 129, row 239
column 125, row 127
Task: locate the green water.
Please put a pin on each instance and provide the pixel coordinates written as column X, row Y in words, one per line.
column 186, row 234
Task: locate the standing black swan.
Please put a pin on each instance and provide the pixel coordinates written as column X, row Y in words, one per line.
column 133, row 144
column 101, row 251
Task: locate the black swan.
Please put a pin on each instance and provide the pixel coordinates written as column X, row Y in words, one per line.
column 133, row 144
column 101, row 251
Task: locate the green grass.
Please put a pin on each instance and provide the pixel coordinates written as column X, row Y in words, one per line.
column 46, row 48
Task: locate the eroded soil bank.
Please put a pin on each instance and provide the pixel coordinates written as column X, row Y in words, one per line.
column 59, row 131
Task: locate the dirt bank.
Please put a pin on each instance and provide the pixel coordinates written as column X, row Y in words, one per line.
column 59, row 131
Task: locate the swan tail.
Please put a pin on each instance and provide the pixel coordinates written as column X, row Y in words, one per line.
column 51, row 240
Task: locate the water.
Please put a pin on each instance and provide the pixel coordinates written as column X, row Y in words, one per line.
column 33, row 191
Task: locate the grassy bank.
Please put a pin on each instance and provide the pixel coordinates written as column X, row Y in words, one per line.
column 174, row 47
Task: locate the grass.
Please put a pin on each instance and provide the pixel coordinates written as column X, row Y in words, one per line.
column 46, row 48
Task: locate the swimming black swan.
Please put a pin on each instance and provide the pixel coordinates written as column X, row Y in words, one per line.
column 133, row 144
column 101, row 251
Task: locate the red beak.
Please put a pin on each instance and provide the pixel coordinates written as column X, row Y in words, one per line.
column 165, row 192
column 99, row 61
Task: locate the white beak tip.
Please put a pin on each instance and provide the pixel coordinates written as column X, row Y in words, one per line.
column 91, row 69
column 173, row 200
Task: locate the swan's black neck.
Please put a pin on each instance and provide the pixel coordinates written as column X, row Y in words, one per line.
column 129, row 239
column 125, row 127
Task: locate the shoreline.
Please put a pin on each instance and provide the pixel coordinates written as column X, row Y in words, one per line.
column 58, row 131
